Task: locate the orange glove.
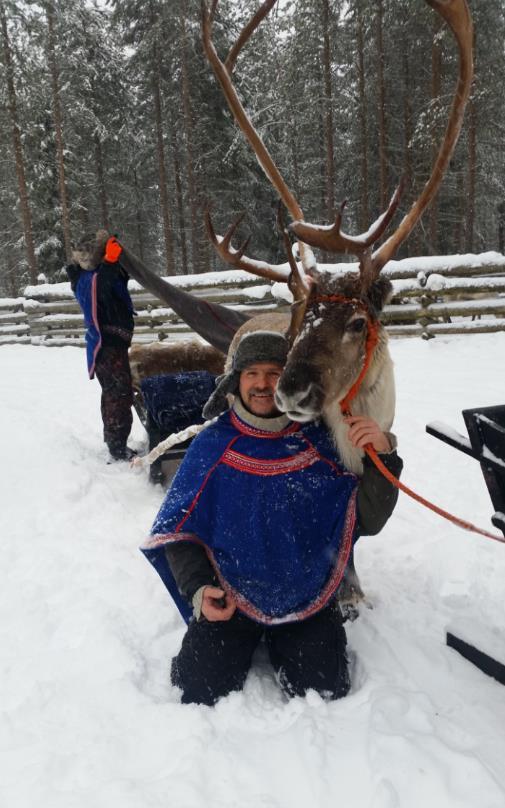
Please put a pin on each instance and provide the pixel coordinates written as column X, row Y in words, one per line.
column 112, row 250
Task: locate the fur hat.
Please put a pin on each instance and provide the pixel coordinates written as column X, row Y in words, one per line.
column 257, row 346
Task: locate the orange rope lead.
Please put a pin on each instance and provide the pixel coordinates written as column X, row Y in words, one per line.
column 371, row 342
column 372, row 454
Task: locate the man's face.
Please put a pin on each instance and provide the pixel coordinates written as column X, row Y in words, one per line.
column 257, row 388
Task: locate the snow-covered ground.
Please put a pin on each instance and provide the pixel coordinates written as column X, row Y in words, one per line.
column 88, row 717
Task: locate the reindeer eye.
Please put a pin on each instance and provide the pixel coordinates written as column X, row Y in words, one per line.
column 357, row 325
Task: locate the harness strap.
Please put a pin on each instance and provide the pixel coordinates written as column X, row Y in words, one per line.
column 372, row 454
column 370, row 345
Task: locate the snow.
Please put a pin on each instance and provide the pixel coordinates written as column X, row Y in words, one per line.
column 448, row 264
column 452, row 434
column 11, row 302
column 488, row 454
column 87, row 631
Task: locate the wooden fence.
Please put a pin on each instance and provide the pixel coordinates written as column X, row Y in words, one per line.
column 438, row 295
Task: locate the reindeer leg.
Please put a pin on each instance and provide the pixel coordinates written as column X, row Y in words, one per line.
column 350, row 594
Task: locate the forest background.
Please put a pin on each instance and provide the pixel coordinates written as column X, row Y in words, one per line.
column 110, row 116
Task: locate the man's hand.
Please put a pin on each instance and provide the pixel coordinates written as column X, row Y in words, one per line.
column 217, row 605
column 364, row 430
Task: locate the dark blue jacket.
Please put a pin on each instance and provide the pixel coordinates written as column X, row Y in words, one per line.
column 103, row 296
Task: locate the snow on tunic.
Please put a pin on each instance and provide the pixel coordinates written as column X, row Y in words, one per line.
column 275, row 512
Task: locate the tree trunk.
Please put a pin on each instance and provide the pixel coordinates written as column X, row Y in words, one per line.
column 180, row 202
column 501, row 227
column 84, row 216
column 471, row 176
column 18, row 151
column 328, row 114
column 11, row 279
column 138, row 215
column 100, row 176
column 436, row 89
column 407, row 125
column 363, row 117
column 165, row 207
column 383, row 162
column 188, row 129
column 458, row 241
column 58, row 131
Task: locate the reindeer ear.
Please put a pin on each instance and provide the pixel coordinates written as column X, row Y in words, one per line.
column 99, row 246
column 380, row 293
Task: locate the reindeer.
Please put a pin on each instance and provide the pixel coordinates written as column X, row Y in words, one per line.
column 339, row 349
column 334, row 317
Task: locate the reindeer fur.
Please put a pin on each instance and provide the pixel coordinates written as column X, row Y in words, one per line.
column 175, row 357
column 376, row 399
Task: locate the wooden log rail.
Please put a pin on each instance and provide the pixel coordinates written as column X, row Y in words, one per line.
column 439, row 295
column 14, row 325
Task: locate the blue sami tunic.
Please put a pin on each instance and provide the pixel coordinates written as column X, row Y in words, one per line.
column 86, row 292
column 275, row 512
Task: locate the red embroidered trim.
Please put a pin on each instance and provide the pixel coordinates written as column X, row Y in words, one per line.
column 270, row 468
column 163, row 538
column 254, row 432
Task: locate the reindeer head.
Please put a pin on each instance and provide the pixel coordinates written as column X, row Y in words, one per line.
column 334, row 321
column 329, row 350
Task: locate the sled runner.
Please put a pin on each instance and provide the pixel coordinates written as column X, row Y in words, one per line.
column 485, row 443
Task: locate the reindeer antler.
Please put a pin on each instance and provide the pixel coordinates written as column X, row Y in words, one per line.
column 300, row 285
column 237, row 259
column 223, row 72
column 457, row 15
column 331, row 239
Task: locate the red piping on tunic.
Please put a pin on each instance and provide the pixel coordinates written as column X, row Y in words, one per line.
column 204, row 483
column 94, row 314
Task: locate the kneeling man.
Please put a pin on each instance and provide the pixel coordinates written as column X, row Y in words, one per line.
column 255, row 533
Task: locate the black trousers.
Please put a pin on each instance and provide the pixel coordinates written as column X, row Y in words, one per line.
column 215, row 657
column 112, row 370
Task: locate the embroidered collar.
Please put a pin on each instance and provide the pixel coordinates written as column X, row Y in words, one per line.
column 253, row 425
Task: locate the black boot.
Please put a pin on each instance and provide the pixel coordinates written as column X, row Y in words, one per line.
column 121, row 452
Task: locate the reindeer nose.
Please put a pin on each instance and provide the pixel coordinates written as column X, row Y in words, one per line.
column 298, row 392
column 301, row 405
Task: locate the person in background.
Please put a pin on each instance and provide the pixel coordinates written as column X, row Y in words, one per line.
column 255, row 533
column 100, row 286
